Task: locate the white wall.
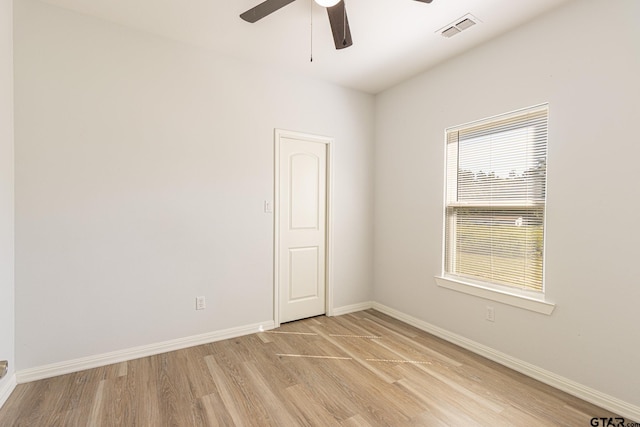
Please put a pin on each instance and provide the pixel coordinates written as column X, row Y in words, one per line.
column 584, row 60
column 6, row 193
column 142, row 165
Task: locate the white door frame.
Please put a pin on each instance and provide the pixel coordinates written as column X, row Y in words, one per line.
column 279, row 134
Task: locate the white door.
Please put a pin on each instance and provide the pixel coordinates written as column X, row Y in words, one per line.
column 302, row 217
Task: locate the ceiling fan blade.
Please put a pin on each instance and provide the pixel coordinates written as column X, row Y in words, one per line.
column 339, row 25
column 425, row 1
column 263, row 9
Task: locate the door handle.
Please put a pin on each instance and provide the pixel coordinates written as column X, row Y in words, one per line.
column 4, row 367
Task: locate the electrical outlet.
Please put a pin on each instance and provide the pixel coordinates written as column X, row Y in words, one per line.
column 491, row 314
column 201, row 304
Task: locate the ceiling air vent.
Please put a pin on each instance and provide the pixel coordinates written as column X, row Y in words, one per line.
column 458, row 26
column 450, row 32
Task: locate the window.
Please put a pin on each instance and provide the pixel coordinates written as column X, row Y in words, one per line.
column 495, row 200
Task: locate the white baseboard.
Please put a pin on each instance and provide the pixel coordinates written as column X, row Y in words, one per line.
column 96, row 361
column 352, row 308
column 622, row 408
column 81, row 364
column 7, row 388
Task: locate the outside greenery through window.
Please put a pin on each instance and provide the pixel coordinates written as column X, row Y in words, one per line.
column 495, row 200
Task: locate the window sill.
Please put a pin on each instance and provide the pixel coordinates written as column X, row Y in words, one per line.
column 539, row 305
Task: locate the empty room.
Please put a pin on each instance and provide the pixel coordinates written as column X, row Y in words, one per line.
column 319, row 212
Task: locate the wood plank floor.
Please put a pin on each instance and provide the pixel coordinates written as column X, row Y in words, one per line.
column 360, row 369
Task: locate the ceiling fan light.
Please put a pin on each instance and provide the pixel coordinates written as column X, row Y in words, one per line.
column 327, row 3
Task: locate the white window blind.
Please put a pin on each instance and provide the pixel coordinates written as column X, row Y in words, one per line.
column 495, row 199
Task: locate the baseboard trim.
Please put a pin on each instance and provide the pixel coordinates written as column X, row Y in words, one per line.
column 76, row 365
column 622, row 408
column 90, row 362
column 352, row 308
column 7, row 388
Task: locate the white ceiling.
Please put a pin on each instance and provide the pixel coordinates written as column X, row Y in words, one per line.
column 392, row 39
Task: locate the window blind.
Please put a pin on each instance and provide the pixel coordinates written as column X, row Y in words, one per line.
column 495, row 199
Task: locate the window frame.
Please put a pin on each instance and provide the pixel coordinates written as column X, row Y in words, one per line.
column 523, row 298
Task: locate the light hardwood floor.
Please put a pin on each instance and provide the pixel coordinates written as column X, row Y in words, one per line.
column 360, row 369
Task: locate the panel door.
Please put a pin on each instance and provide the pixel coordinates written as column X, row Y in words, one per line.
column 302, row 228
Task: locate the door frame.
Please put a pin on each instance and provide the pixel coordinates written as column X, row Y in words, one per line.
column 328, row 142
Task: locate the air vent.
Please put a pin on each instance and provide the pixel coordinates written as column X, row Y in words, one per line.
column 458, row 26
column 450, row 32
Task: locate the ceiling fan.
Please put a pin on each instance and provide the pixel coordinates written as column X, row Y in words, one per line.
column 335, row 9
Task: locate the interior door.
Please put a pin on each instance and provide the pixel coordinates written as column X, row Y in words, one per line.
column 302, row 217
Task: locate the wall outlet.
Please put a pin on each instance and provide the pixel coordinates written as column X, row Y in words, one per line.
column 491, row 314
column 201, row 303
